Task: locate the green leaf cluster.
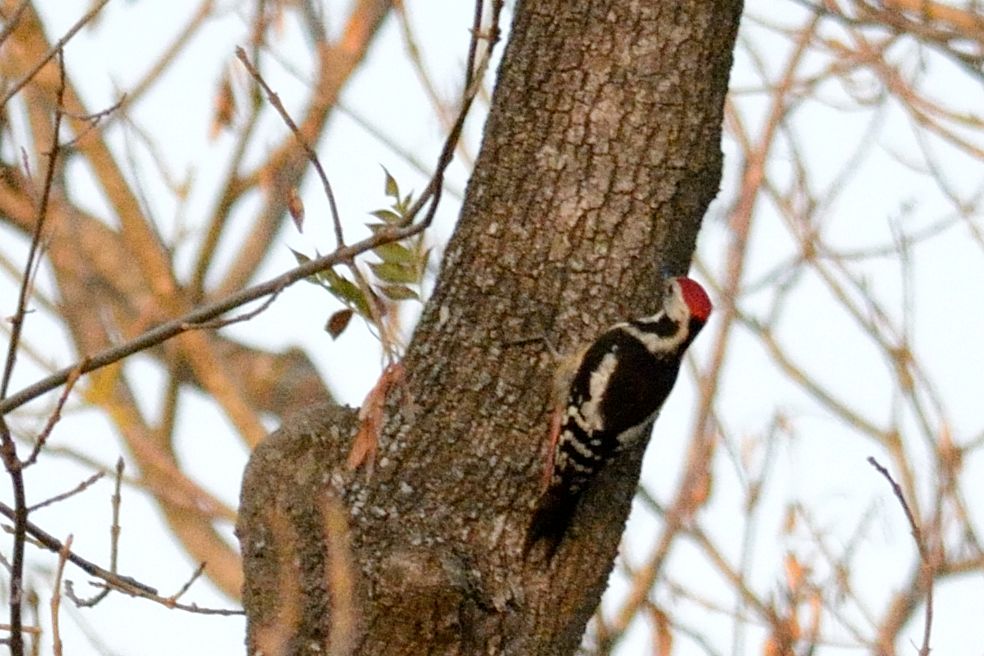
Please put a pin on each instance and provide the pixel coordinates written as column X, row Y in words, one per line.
column 397, row 275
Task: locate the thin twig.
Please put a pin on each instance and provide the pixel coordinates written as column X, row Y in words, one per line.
column 30, row 630
column 115, row 501
column 124, row 583
column 93, row 120
column 10, row 24
column 53, row 419
column 30, row 267
column 56, row 596
column 215, row 324
column 81, row 487
column 118, row 582
column 55, row 50
column 114, row 538
column 187, row 584
column 8, row 448
column 192, row 320
column 163, row 601
column 473, row 77
column 231, row 189
column 927, row 566
column 312, row 156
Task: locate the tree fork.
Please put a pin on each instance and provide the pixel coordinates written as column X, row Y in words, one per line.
column 600, row 156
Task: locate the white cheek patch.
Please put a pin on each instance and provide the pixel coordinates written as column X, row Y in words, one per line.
column 674, row 305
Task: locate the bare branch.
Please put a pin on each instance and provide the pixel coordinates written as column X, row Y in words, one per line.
column 205, row 313
column 187, row 584
column 81, row 487
column 312, row 156
column 49, row 542
column 474, row 72
column 8, row 448
column 56, row 596
column 55, row 49
column 928, row 566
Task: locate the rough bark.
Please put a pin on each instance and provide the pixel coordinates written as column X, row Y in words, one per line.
column 600, row 156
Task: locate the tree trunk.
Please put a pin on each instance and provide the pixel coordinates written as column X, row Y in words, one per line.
column 600, row 156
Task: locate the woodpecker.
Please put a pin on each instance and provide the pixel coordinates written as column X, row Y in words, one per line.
column 605, row 398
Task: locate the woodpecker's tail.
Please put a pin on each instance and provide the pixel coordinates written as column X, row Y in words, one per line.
column 551, row 518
